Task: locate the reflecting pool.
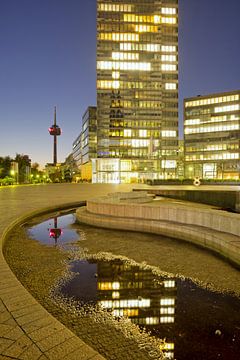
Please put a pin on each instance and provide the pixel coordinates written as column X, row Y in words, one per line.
column 196, row 322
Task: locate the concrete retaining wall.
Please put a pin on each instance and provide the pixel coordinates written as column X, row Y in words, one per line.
column 223, row 199
column 210, row 228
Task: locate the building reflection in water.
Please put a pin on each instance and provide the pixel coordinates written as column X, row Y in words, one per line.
column 146, row 300
column 55, row 232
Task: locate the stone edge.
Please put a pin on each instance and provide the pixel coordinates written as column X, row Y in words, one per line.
column 54, row 324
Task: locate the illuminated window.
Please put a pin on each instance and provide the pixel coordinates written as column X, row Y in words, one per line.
column 168, row 20
column 143, row 133
column 119, row 36
column 140, row 47
column 192, row 122
column 227, row 108
column 169, row 133
column 169, row 48
column 211, row 101
column 168, row 11
column 170, row 86
column 127, row 132
column 106, row 84
column 168, row 67
column 169, row 58
column 168, row 164
column 146, row 28
column 208, row 129
column 124, row 56
column 128, row 66
column 114, row 7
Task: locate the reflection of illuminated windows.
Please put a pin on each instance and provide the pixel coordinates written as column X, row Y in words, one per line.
column 152, row 320
column 115, row 294
column 125, row 303
column 166, row 319
column 167, row 310
column 167, row 301
column 167, row 346
column 169, row 355
column 108, row 285
column 169, row 283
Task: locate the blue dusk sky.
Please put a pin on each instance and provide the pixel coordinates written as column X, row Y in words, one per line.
column 48, row 58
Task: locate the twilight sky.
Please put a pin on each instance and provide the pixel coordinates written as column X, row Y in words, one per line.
column 47, row 58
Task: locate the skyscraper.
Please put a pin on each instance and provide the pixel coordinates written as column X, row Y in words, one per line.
column 137, row 90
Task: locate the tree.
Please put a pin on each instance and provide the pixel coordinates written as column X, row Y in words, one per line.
column 24, row 166
column 5, row 166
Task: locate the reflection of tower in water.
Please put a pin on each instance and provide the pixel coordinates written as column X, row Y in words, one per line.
column 147, row 300
column 55, row 232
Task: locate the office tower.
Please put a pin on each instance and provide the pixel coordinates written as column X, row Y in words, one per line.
column 137, row 90
column 84, row 147
column 212, row 136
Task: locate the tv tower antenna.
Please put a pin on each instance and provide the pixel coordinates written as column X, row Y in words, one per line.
column 55, row 131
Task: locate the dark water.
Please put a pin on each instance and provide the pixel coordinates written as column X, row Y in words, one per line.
column 55, row 231
column 198, row 324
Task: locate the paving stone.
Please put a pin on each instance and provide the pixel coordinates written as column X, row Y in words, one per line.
column 18, row 347
column 45, row 331
column 32, row 353
column 83, row 353
column 26, row 310
column 4, row 344
column 4, row 316
column 29, row 318
column 64, row 349
column 54, row 339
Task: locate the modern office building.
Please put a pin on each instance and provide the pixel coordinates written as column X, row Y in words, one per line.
column 137, row 90
column 212, row 136
column 84, row 147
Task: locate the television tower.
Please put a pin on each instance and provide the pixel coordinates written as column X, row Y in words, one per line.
column 55, row 131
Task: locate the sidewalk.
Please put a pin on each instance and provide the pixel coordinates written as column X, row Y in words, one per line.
column 27, row 330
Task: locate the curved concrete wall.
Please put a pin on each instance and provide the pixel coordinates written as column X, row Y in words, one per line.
column 210, row 228
column 185, row 214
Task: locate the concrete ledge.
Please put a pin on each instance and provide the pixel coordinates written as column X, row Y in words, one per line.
column 201, row 225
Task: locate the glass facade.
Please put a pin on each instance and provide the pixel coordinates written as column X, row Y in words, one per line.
column 137, row 90
column 212, row 136
column 84, row 147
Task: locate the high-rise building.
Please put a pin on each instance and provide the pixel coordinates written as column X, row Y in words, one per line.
column 137, row 90
column 84, row 147
column 212, row 136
